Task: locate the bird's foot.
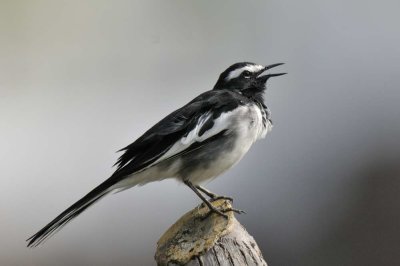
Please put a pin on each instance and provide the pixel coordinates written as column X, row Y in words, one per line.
column 222, row 212
column 234, row 210
column 212, row 210
column 213, row 197
column 216, row 197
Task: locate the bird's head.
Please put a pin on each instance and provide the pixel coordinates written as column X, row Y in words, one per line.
column 246, row 78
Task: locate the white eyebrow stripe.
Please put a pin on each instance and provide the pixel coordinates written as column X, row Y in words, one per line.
column 236, row 73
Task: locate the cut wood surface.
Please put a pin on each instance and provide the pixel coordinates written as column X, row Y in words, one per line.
column 200, row 238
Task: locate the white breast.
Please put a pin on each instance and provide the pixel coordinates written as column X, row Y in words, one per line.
column 246, row 122
column 250, row 124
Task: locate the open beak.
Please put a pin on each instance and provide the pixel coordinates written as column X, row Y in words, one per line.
column 264, row 78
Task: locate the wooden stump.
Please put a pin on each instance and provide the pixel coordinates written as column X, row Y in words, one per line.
column 205, row 240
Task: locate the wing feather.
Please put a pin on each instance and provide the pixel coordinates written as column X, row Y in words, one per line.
column 193, row 123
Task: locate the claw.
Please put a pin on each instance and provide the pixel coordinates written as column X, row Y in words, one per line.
column 217, row 212
column 222, row 212
column 234, row 210
column 221, row 197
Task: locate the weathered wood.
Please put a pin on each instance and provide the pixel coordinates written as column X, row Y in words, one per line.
column 199, row 239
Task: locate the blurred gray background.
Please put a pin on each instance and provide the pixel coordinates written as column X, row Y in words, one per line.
column 81, row 79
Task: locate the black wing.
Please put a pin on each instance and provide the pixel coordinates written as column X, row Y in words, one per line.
column 159, row 139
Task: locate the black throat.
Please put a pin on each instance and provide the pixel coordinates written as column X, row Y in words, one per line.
column 254, row 94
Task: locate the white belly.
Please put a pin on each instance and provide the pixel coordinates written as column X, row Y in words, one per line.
column 246, row 125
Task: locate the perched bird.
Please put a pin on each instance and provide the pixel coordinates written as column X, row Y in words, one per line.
column 193, row 144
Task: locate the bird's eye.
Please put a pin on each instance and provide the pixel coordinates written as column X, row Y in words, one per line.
column 246, row 74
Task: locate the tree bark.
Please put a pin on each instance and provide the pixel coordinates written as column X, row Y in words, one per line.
column 203, row 239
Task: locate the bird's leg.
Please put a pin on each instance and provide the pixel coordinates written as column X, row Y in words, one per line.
column 206, row 191
column 209, row 205
column 212, row 195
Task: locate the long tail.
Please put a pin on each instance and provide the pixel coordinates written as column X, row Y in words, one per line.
column 70, row 213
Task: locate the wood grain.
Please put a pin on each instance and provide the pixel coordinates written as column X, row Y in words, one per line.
column 202, row 239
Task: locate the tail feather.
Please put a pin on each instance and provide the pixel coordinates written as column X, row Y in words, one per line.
column 73, row 211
